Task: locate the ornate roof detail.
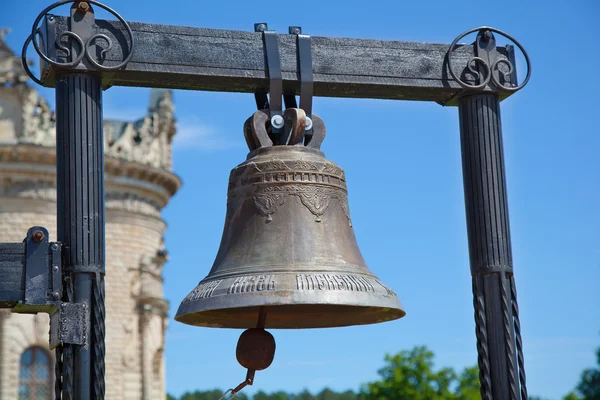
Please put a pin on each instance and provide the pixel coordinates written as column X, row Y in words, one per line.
column 26, row 118
column 147, row 140
column 11, row 69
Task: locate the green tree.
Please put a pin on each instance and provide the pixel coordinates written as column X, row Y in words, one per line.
column 209, row 395
column 589, row 386
column 328, row 394
column 273, row 396
column 409, row 375
column 468, row 384
column 169, row 397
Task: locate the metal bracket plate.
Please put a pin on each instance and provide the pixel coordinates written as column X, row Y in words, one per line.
column 69, row 324
column 41, row 273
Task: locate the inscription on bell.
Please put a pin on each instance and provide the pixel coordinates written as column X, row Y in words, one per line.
column 335, row 282
column 252, row 283
column 204, row 290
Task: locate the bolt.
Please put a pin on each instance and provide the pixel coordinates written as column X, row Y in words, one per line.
column 295, row 30
column 487, row 36
column 277, row 121
column 54, row 246
column 260, row 27
column 308, row 124
column 55, row 268
column 55, row 295
column 37, row 236
column 83, row 7
column 50, row 18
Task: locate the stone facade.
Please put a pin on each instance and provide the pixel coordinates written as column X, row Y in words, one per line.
column 139, row 183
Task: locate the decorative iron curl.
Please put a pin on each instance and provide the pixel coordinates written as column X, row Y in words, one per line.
column 84, row 48
column 489, row 69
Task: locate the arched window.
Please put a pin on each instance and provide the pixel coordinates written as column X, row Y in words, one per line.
column 35, row 377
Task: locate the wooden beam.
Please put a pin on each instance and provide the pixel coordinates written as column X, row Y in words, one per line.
column 234, row 61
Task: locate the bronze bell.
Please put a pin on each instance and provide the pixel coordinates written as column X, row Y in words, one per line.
column 288, row 248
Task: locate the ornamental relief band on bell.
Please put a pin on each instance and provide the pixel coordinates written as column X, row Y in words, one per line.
column 295, row 165
column 316, row 199
column 279, row 171
column 315, row 185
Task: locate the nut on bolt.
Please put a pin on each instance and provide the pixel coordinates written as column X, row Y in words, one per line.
column 83, row 6
column 277, row 121
column 37, row 236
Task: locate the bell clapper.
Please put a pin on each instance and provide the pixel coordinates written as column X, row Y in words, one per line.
column 255, row 351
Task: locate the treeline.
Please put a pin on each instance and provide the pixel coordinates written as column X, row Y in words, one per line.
column 325, row 394
column 410, row 375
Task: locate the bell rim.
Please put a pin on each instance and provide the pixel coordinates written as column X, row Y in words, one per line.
column 359, row 308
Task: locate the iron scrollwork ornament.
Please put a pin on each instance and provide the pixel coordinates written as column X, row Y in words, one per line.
column 84, row 48
column 489, row 70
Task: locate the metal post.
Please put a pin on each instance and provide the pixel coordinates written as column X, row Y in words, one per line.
column 80, row 223
column 499, row 346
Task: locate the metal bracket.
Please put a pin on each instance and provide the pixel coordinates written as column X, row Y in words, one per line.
column 485, row 49
column 41, row 279
column 83, row 53
column 69, row 324
column 306, row 77
column 31, row 282
column 274, row 104
column 82, row 23
column 485, row 63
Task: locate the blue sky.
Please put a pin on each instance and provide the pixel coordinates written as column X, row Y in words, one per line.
column 405, row 192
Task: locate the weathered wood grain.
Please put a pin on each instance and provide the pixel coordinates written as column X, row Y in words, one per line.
column 234, row 61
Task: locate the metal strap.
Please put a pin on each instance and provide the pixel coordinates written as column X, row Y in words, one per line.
column 305, row 69
column 289, row 100
column 274, row 72
column 262, row 101
column 306, row 74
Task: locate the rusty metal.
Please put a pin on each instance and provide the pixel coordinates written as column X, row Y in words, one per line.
column 83, row 7
column 255, row 349
column 37, row 236
column 288, row 245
